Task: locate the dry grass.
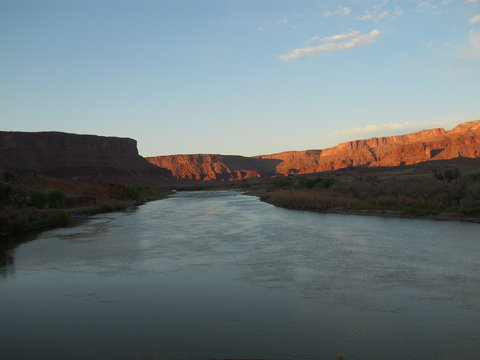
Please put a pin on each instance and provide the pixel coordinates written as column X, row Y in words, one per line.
column 410, row 194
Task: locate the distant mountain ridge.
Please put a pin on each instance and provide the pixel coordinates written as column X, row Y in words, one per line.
column 218, row 167
column 421, row 146
column 65, row 155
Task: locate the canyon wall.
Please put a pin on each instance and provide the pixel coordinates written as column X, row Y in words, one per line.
column 426, row 145
column 66, row 155
column 208, row 167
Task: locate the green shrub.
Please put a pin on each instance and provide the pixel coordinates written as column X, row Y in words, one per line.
column 328, row 182
column 5, row 194
column 311, row 183
column 56, row 198
column 470, row 210
column 306, row 182
column 46, row 219
column 448, row 175
column 475, row 176
column 410, row 210
column 38, row 199
column 284, row 183
column 133, row 192
column 11, row 195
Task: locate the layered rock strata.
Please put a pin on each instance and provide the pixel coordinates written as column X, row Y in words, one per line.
column 58, row 154
column 426, row 145
column 208, row 167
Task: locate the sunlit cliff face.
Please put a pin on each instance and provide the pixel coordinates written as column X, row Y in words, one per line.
column 426, row 145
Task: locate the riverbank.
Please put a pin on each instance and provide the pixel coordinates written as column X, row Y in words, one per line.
column 440, row 193
column 33, row 204
column 375, row 212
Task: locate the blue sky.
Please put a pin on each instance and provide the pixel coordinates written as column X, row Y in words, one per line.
column 238, row 76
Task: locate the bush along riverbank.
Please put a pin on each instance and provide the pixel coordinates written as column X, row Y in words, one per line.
column 32, row 204
column 440, row 194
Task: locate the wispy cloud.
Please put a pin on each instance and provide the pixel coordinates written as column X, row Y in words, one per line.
column 397, row 128
column 332, row 43
column 472, row 1
column 427, row 5
column 381, row 4
column 341, row 11
column 334, row 37
column 473, row 52
column 373, row 15
column 475, row 19
column 349, row 35
column 375, row 130
column 376, row 14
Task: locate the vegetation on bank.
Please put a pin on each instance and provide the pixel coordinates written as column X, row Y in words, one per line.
column 446, row 192
column 26, row 208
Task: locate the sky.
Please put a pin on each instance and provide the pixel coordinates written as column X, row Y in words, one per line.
column 242, row 77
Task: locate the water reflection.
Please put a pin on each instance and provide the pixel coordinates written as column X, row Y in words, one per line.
column 207, row 275
column 7, row 246
column 6, row 262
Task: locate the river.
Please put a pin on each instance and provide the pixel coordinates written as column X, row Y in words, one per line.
column 216, row 275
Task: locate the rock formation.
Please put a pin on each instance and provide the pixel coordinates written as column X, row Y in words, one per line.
column 209, row 167
column 66, row 155
column 426, row 145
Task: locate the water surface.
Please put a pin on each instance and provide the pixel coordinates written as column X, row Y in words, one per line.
column 212, row 275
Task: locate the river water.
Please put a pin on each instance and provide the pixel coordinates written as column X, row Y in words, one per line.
column 216, row 275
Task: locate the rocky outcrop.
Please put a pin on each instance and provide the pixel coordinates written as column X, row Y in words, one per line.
column 66, row 155
column 208, row 167
column 426, row 145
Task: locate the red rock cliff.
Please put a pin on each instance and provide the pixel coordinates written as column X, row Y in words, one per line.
column 215, row 167
column 59, row 154
column 426, row 145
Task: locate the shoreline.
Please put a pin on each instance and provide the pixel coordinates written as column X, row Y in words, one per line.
column 370, row 212
column 57, row 218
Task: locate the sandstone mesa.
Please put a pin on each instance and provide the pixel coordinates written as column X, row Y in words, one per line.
column 425, row 145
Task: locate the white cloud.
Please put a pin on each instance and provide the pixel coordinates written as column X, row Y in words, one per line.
column 334, row 37
column 382, row 4
column 383, row 14
column 472, row 53
column 472, row 1
column 314, row 38
column 342, row 36
column 367, row 16
column 397, row 128
column 427, row 5
column 475, row 19
column 373, row 129
column 260, row 28
column 353, row 39
column 375, row 16
column 282, row 21
column 341, row 11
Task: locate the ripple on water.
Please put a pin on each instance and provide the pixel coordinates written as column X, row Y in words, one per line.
column 205, row 275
